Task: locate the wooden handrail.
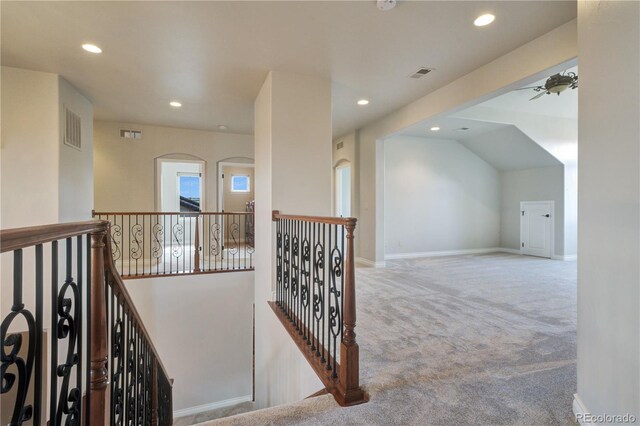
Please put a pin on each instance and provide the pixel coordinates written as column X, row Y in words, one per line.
column 17, row 238
column 346, row 221
column 193, row 214
column 312, row 263
column 121, row 289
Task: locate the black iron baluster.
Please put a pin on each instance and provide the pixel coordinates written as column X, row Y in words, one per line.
column 88, row 321
column 13, row 341
column 279, row 263
column 295, row 274
column 329, row 297
column 53, row 393
column 37, row 412
column 335, row 313
column 80, row 321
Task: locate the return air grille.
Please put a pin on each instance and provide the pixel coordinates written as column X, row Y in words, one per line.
column 421, row 72
column 72, row 129
column 130, row 134
column 340, row 145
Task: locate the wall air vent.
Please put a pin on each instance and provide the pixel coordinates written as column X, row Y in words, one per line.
column 72, row 129
column 130, row 134
column 421, row 72
column 340, row 145
column 463, row 129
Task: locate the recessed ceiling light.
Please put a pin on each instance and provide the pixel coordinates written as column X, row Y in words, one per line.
column 91, row 48
column 483, row 20
column 363, row 102
column 435, row 128
column 222, row 127
column 175, row 104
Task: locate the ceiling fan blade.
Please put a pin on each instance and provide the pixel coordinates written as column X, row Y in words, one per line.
column 538, row 95
column 531, row 87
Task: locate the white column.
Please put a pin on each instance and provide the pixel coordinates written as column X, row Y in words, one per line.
column 608, row 207
column 293, row 175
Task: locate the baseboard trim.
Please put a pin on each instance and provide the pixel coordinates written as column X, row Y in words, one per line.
column 579, row 411
column 367, row 262
column 208, row 407
column 565, row 257
column 450, row 253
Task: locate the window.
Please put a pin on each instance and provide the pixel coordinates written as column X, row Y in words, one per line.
column 190, row 192
column 240, row 183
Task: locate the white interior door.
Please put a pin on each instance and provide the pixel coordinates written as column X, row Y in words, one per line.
column 343, row 190
column 536, row 228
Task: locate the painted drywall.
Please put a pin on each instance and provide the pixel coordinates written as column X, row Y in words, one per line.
column 609, row 206
column 292, row 122
column 188, row 320
column 76, row 166
column 439, row 196
column 125, row 168
column 30, row 148
column 499, row 76
column 539, row 184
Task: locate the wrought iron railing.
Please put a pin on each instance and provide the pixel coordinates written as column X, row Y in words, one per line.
column 61, row 343
column 161, row 244
column 316, row 298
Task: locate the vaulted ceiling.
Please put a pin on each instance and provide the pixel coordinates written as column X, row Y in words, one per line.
column 214, row 56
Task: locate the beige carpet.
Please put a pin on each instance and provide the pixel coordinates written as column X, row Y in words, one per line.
column 465, row 340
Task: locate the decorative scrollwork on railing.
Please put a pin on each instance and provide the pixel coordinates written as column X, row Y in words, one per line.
column 11, row 347
column 116, row 240
column 177, row 232
column 295, row 274
column 234, row 242
column 130, row 377
column 137, row 235
column 286, row 275
column 305, row 273
column 279, row 261
column 69, row 320
column 157, row 231
column 117, row 361
column 318, row 293
column 215, row 246
column 335, row 321
column 141, row 370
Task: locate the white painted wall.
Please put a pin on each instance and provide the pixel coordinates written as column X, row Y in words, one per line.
column 499, row 76
column 540, row 184
column 30, row 148
column 439, row 196
column 124, row 168
column 609, row 205
column 292, row 122
column 188, row 320
column 76, row 166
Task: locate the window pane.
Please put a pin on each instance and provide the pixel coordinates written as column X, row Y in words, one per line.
column 189, row 193
column 240, row 183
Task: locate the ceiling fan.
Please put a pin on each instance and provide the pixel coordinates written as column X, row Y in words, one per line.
column 555, row 84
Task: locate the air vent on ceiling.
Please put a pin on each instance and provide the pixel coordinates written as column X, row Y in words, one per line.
column 340, row 145
column 463, row 128
column 421, row 72
column 130, row 134
column 72, row 129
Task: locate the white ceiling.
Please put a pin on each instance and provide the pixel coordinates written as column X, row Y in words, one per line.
column 214, row 56
column 449, row 128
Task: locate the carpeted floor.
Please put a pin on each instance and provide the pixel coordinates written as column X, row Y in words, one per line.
column 464, row 340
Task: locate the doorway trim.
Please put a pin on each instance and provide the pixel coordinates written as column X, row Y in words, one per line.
column 552, row 223
column 342, row 164
column 221, row 166
column 158, row 179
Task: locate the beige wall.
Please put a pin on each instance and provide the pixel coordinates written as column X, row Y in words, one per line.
column 125, row 168
column 188, row 319
column 609, row 207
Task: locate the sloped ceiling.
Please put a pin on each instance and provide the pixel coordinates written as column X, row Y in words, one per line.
column 507, row 148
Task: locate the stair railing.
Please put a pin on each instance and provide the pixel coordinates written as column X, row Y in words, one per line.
column 171, row 243
column 74, row 349
column 316, row 297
